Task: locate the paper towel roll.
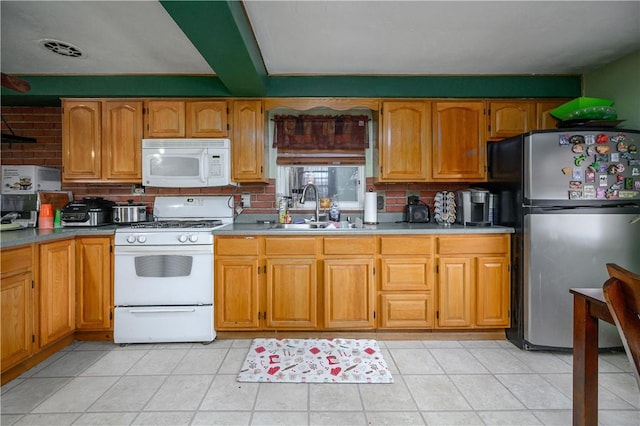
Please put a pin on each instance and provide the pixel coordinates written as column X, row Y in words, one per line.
column 370, row 208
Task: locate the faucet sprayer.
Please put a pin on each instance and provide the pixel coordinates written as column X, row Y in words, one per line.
column 304, row 195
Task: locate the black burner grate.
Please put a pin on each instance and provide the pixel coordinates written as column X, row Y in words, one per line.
column 178, row 224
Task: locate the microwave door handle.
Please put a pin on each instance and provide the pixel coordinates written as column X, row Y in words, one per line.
column 205, row 166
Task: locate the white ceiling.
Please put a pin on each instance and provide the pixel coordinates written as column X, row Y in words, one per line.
column 331, row 37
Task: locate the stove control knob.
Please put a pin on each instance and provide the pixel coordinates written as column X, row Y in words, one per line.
column 182, row 238
column 142, row 238
column 193, row 238
column 131, row 239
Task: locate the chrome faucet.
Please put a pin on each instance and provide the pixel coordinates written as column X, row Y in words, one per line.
column 304, row 194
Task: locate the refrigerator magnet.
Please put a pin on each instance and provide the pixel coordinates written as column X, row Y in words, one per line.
column 635, row 171
column 615, row 157
column 600, row 193
column 619, row 179
column 603, row 180
column 622, row 147
column 577, row 160
column 603, row 149
column 634, row 162
column 620, row 167
column 628, row 183
column 589, row 192
column 612, row 169
column 591, row 151
column 576, row 174
column 611, row 193
column 636, row 185
column 575, row 195
column 590, row 139
column 602, row 168
column 575, row 184
column 602, row 158
column 620, row 138
column 563, row 140
column 567, row 170
column 575, row 139
column 632, row 149
column 590, row 175
column 602, row 138
column 577, row 148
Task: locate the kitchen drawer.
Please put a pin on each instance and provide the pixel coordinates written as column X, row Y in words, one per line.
column 291, row 246
column 406, row 311
column 349, row 245
column 473, row 244
column 404, row 245
column 237, row 246
column 406, row 273
column 16, row 260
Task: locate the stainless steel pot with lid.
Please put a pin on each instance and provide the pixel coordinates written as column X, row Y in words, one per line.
column 129, row 213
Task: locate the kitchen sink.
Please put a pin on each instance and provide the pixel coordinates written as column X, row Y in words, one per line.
column 300, row 226
column 312, row 226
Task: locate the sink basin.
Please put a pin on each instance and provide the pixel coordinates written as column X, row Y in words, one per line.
column 299, row 226
column 312, row 226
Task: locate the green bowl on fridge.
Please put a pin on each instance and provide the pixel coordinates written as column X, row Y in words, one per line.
column 585, row 108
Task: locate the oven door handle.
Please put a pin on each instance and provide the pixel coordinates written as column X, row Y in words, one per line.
column 187, row 250
column 161, row 310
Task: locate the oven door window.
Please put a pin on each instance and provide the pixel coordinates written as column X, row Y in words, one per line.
column 163, row 266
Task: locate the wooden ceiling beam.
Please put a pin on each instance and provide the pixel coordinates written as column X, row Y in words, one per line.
column 14, row 83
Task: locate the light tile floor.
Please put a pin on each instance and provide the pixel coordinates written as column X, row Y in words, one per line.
column 435, row 383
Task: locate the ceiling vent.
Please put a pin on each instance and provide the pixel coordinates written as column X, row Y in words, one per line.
column 62, row 48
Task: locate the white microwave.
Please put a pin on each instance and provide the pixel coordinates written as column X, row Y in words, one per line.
column 186, row 163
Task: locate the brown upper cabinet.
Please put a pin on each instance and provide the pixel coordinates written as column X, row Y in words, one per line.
column 458, row 144
column 544, row 119
column 186, row 118
column 404, row 143
column 248, row 149
column 101, row 141
column 510, row 118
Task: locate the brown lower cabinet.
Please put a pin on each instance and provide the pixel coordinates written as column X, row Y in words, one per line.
column 56, row 285
column 17, row 298
column 473, row 281
column 291, row 282
column 406, row 282
column 94, row 278
column 349, row 285
column 403, row 282
column 54, row 292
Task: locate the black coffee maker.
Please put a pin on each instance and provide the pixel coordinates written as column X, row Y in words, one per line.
column 416, row 211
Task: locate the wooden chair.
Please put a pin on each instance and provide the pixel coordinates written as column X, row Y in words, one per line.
column 622, row 293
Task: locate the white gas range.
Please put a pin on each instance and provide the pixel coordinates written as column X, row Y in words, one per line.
column 163, row 284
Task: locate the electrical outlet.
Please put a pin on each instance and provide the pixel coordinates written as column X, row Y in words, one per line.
column 245, row 199
column 413, row 197
column 380, row 202
column 137, row 189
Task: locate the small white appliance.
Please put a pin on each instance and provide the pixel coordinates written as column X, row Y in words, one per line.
column 163, row 271
column 30, row 179
column 186, row 163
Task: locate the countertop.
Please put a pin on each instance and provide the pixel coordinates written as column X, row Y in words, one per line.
column 379, row 229
column 34, row 235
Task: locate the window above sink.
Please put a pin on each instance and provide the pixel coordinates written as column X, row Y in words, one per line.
column 345, row 181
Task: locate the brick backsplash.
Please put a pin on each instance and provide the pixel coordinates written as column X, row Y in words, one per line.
column 45, row 125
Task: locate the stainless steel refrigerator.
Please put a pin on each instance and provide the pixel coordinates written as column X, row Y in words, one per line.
column 571, row 195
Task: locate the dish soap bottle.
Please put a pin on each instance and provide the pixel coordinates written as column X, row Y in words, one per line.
column 282, row 210
column 334, row 210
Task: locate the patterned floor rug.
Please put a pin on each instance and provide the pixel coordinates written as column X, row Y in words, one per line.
column 314, row 361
